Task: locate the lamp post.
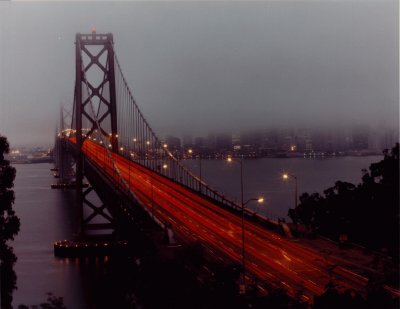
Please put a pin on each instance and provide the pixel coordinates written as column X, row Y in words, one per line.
column 147, row 154
column 286, row 176
column 134, row 149
column 243, row 204
column 165, row 168
column 190, row 151
column 152, row 194
column 158, row 167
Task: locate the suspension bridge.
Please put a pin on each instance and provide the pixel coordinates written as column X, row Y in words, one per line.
column 107, row 141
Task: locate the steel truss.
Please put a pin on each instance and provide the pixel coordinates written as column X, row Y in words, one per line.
column 99, row 54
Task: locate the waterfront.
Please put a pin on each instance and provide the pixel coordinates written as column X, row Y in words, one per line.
column 47, row 215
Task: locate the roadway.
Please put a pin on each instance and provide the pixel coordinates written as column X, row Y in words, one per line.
column 269, row 257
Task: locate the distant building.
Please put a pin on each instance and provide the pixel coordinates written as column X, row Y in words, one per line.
column 236, row 142
column 223, row 142
column 374, row 141
column 390, row 138
column 174, row 143
column 308, row 144
column 199, row 143
column 360, row 138
column 187, row 141
column 210, row 142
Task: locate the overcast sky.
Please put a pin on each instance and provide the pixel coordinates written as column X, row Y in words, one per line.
column 196, row 67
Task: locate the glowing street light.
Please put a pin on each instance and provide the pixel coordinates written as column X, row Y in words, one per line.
column 260, row 200
column 243, row 204
column 134, row 145
column 287, row 176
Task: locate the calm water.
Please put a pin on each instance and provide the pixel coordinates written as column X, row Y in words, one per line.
column 47, row 215
column 263, row 177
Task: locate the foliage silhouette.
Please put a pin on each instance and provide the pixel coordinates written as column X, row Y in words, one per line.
column 9, row 227
column 367, row 213
column 53, row 302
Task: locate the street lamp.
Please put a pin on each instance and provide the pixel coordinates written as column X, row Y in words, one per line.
column 147, row 154
column 164, row 167
column 152, row 194
column 134, row 148
column 286, row 176
column 190, row 151
column 243, row 204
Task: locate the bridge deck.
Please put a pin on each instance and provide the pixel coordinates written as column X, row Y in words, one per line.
column 269, row 257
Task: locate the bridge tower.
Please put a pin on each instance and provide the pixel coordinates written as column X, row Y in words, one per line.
column 95, row 95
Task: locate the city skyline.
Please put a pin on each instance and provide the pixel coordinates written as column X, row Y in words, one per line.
column 232, row 66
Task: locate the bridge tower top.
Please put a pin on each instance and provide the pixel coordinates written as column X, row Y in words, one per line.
column 95, row 88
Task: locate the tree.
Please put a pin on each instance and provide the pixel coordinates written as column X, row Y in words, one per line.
column 367, row 213
column 9, row 227
column 53, row 302
column 4, row 147
column 332, row 299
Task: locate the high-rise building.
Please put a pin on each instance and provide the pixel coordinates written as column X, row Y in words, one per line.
column 210, row 142
column 223, row 142
column 360, row 137
column 174, row 143
column 187, row 141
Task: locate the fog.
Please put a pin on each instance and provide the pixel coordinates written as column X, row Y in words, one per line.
column 197, row 67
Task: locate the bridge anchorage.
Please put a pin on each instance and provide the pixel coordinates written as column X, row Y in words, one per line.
column 135, row 182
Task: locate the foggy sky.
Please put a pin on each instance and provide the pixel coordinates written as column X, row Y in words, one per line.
column 196, row 67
